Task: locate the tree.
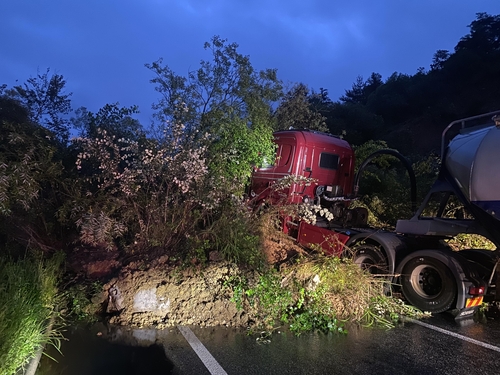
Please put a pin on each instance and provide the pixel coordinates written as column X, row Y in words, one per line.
column 296, row 111
column 226, row 84
column 112, row 118
column 30, row 178
column 360, row 91
column 372, row 84
column 392, row 100
column 220, row 96
column 355, row 121
column 484, row 35
column 355, row 95
column 46, row 102
column 439, row 58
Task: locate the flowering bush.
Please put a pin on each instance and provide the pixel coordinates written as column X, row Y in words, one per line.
column 307, row 212
column 153, row 188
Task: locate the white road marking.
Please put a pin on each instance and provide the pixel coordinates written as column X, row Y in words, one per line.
column 461, row 337
column 208, row 360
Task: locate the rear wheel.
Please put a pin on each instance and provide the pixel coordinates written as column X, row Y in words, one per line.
column 370, row 258
column 428, row 284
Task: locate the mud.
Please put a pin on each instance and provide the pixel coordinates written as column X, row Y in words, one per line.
column 154, row 290
column 163, row 296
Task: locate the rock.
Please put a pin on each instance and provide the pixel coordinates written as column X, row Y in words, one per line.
column 115, row 300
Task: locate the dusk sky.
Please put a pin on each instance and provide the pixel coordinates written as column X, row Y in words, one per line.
column 101, row 46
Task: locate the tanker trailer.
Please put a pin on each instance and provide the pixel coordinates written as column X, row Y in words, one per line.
column 433, row 277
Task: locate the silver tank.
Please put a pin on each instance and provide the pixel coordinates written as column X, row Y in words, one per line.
column 473, row 159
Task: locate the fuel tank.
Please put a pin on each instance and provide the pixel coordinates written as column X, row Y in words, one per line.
column 473, row 159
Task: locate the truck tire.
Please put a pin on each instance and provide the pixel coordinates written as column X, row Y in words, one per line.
column 370, row 258
column 428, row 284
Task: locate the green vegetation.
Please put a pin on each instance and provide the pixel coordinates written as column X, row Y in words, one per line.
column 174, row 188
column 236, row 236
column 471, row 241
column 319, row 293
column 77, row 300
column 171, row 186
column 30, row 295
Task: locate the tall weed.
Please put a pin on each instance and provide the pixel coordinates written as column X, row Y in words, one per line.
column 29, row 294
column 320, row 293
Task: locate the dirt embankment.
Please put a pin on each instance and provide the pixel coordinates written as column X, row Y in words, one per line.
column 163, row 297
column 159, row 293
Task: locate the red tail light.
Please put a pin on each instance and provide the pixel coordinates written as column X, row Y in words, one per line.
column 476, row 290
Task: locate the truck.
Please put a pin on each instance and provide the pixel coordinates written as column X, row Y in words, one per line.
column 414, row 257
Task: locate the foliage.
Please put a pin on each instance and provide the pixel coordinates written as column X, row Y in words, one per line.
column 366, row 149
column 355, row 121
column 470, row 241
column 484, row 34
column 161, row 193
column 361, row 91
column 46, row 102
column 228, row 103
column 236, row 234
column 78, row 301
column 234, row 149
column 176, row 188
column 154, row 191
column 319, row 293
column 296, row 112
column 26, row 158
column 29, row 293
column 439, row 59
column 386, row 311
column 115, row 120
column 384, row 185
column 227, row 85
column 98, row 229
column 31, row 177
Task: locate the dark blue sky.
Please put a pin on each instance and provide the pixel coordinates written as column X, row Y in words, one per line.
column 101, row 46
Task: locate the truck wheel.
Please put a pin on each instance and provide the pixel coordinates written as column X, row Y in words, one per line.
column 370, row 258
column 428, row 284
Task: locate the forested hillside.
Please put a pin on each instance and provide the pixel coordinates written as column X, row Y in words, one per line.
column 120, row 183
column 410, row 111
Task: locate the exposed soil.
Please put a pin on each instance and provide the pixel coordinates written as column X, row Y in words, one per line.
column 154, row 290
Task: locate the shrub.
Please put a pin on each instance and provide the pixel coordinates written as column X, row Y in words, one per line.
column 319, row 293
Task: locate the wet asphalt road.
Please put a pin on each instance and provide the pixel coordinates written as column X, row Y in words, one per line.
column 408, row 349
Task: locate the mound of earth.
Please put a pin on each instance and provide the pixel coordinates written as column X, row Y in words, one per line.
column 165, row 296
column 153, row 290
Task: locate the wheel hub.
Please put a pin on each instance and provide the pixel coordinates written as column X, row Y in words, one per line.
column 426, row 281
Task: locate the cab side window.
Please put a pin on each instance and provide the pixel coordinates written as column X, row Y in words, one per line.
column 328, row 161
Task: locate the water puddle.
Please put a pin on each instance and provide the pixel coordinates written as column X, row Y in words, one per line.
column 100, row 349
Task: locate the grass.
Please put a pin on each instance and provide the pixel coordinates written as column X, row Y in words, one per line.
column 319, row 294
column 29, row 294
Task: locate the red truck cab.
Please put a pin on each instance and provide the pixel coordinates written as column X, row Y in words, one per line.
column 327, row 159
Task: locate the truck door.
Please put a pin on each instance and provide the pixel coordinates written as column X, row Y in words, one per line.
column 282, row 166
